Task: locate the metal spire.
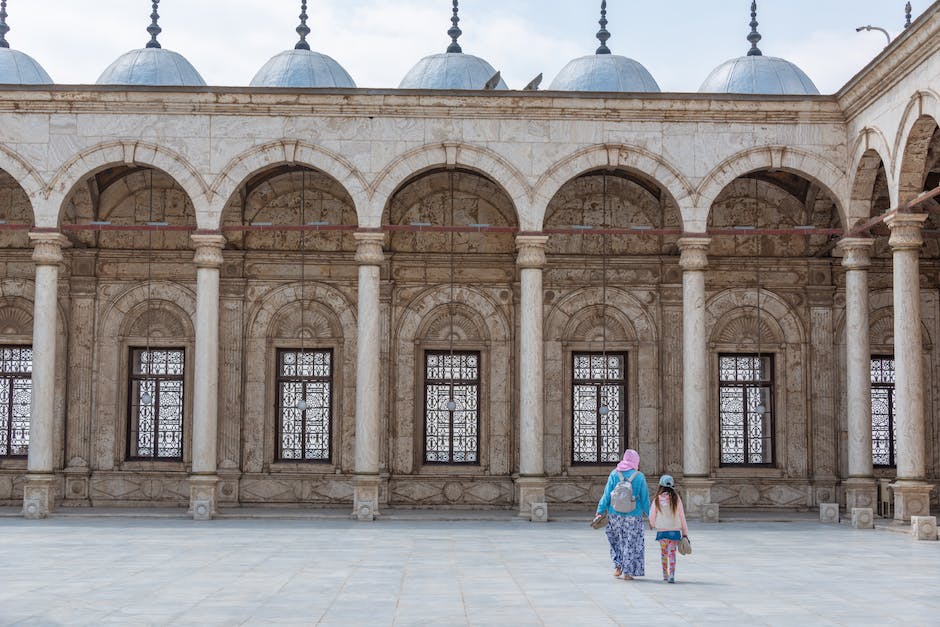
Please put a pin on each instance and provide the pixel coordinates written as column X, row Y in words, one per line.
column 454, row 32
column 754, row 37
column 303, row 30
column 154, row 29
column 602, row 34
column 907, row 15
column 4, row 29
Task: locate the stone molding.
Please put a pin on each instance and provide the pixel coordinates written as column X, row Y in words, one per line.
column 47, row 247
column 694, row 253
column 907, row 230
column 531, row 251
column 369, row 248
column 857, row 252
column 208, row 249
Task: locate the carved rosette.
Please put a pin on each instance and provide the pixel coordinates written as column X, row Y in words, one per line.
column 369, row 248
column 907, row 230
column 856, row 252
column 531, row 251
column 208, row 249
column 47, row 247
column 694, row 253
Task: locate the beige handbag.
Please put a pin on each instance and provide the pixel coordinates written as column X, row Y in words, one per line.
column 685, row 546
column 599, row 522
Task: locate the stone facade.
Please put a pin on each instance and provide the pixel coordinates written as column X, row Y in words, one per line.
column 419, row 203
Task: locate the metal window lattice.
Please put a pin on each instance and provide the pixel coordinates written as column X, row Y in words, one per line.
column 883, row 411
column 304, row 433
column 16, row 388
column 598, row 380
column 156, row 429
column 452, row 436
column 745, row 433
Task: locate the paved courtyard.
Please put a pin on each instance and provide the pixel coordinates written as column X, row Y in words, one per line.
column 128, row 571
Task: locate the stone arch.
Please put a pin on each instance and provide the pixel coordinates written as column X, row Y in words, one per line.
column 472, row 302
column 881, row 329
column 453, row 321
column 126, row 153
column 449, row 155
column 734, row 311
column 919, row 125
column 289, row 152
column 280, row 305
column 568, row 317
column 16, row 296
column 609, row 156
column 170, row 305
column 813, row 167
column 23, row 173
column 16, row 316
column 871, row 152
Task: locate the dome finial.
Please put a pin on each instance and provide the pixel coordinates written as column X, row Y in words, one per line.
column 303, row 30
column 454, row 32
column 4, row 29
column 603, row 35
column 907, row 15
column 754, row 37
column 154, row 29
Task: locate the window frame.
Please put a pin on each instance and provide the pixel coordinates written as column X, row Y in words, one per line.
column 598, row 383
column 134, row 419
column 770, row 406
column 279, row 379
column 424, row 403
column 8, row 402
column 892, row 390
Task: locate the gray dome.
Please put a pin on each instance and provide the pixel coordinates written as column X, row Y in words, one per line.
column 757, row 74
column 302, row 68
column 450, row 70
column 17, row 68
column 151, row 66
column 604, row 72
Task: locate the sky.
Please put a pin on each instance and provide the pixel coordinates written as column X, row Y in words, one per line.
column 378, row 41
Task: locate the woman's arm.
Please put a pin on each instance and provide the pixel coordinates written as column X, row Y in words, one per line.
column 680, row 511
column 642, row 494
column 604, row 504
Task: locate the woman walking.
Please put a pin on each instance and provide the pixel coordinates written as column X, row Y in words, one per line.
column 625, row 526
column 667, row 517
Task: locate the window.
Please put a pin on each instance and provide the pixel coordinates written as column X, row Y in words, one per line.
column 451, row 407
column 16, row 392
column 745, row 411
column 156, row 404
column 598, row 382
column 304, row 405
column 883, row 427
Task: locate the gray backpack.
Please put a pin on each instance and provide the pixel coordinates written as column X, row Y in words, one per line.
column 622, row 498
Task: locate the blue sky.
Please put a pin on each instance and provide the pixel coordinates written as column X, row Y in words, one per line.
column 377, row 41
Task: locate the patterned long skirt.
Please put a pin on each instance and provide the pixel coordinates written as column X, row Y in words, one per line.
column 625, row 534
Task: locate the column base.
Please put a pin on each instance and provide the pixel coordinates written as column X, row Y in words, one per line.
column 203, row 500
column 77, row 480
column 38, row 496
column 228, row 486
column 860, row 492
column 911, row 498
column 531, row 491
column 366, row 497
column 697, row 499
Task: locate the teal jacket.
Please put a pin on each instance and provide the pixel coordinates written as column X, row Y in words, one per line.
column 640, row 492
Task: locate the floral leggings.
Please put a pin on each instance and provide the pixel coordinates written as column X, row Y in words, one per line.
column 668, row 549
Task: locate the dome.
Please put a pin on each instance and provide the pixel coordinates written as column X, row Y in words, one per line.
column 17, row 68
column 302, row 68
column 450, row 70
column 151, row 66
column 604, row 72
column 757, row 74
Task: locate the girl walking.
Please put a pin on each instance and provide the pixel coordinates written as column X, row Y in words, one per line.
column 667, row 517
column 625, row 528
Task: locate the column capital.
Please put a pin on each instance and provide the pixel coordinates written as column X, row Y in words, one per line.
column 856, row 252
column 208, row 249
column 47, row 247
column 531, row 251
column 694, row 252
column 369, row 247
column 906, row 230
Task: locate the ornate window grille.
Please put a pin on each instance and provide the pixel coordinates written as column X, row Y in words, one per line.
column 452, row 436
column 745, row 410
column 304, row 435
column 16, row 391
column 156, row 420
column 598, row 380
column 883, row 427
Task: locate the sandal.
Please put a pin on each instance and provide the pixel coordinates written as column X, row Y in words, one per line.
column 617, row 571
column 628, row 577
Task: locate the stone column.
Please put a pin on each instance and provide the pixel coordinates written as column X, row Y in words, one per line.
column 696, row 465
column 860, row 488
column 369, row 256
column 911, row 491
column 204, row 478
column 531, row 482
column 39, row 489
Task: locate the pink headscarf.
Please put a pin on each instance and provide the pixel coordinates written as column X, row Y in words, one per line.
column 631, row 461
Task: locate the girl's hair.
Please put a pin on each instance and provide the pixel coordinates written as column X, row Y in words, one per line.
column 673, row 498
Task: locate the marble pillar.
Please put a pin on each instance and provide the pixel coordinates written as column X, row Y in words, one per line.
column 695, row 434
column 369, row 256
column 911, row 491
column 860, row 488
column 530, row 486
column 204, row 478
column 82, row 292
column 39, row 488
